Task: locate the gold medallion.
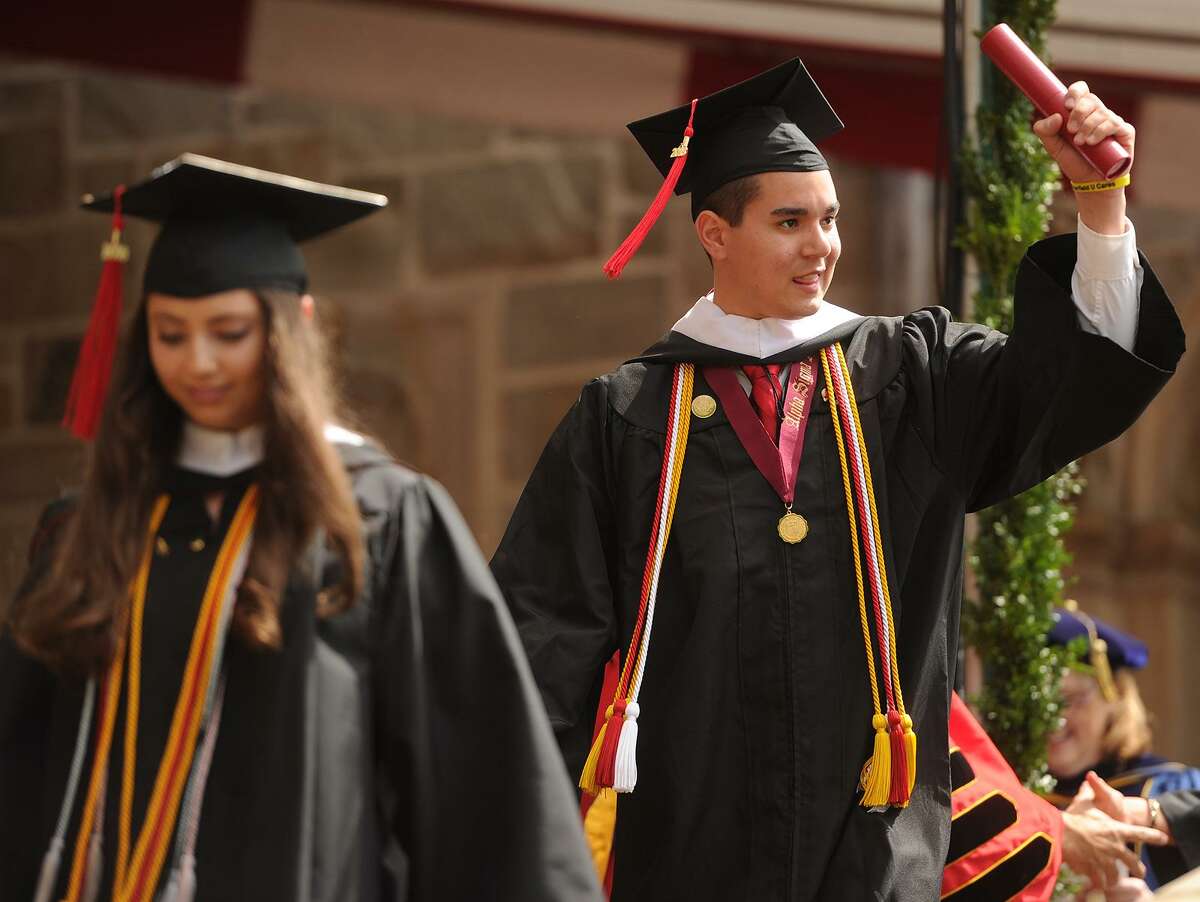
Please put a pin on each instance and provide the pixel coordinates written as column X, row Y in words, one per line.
column 704, row 406
column 792, row 528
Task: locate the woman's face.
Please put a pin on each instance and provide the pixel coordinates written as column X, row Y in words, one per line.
column 1079, row 745
column 210, row 356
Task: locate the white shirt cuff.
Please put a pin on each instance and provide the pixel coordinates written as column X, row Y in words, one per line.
column 1106, row 257
column 1106, row 284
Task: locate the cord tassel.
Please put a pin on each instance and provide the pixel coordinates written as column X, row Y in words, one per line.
column 187, row 879
column 623, row 254
column 587, row 779
column 625, row 769
column 606, row 764
column 95, row 869
column 910, row 752
column 171, row 893
column 49, row 873
column 898, row 794
column 89, row 384
column 877, row 775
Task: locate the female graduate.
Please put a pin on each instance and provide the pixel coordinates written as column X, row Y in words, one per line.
column 1106, row 731
column 255, row 658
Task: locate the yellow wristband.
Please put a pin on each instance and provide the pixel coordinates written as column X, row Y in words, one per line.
column 1101, row 184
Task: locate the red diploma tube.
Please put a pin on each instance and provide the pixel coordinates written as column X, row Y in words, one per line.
column 1047, row 92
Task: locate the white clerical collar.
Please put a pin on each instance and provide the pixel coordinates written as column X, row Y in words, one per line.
column 219, row 453
column 761, row 338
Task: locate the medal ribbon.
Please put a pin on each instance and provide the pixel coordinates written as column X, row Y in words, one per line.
column 779, row 464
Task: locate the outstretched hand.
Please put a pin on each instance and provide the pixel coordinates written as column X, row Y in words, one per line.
column 1130, row 809
column 1096, row 835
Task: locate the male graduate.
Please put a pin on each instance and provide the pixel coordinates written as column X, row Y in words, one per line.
column 764, row 512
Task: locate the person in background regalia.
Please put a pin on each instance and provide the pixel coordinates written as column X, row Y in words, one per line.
column 1006, row 842
column 255, row 658
column 1106, row 731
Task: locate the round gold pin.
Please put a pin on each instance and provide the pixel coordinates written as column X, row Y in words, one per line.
column 792, row 528
column 704, row 406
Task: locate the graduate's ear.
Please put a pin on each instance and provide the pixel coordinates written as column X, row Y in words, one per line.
column 308, row 307
column 713, row 232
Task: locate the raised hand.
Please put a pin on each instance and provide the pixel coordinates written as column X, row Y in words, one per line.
column 1089, row 122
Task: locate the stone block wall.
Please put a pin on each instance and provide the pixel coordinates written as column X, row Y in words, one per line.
column 466, row 316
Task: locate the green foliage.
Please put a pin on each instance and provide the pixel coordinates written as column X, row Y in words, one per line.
column 1018, row 556
column 1018, row 560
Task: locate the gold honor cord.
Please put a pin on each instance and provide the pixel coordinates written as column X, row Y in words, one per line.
column 890, row 774
column 141, row 875
column 135, row 879
column 112, row 696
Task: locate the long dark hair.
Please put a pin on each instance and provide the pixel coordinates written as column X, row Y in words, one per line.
column 74, row 616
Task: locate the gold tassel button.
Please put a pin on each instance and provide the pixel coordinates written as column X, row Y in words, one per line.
column 113, row 249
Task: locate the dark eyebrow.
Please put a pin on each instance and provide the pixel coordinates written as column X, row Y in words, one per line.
column 803, row 211
column 169, row 318
column 227, row 318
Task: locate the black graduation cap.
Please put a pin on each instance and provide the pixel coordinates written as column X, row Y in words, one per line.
column 224, row 226
column 769, row 123
column 228, row 226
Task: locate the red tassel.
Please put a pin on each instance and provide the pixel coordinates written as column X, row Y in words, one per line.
column 606, row 764
column 633, row 241
column 899, row 791
column 94, row 366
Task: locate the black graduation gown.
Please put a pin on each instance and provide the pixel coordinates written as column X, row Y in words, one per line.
column 396, row 751
column 755, row 709
column 1150, row 776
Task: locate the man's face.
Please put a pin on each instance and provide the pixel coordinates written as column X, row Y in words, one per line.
column 779, row 260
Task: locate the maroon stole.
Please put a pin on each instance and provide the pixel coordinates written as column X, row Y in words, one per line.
column 778, row 463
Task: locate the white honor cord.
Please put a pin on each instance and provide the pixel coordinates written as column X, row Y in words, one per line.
column 52, row 860
column 659, row 551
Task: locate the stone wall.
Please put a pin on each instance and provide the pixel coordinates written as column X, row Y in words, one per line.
column 467, row 315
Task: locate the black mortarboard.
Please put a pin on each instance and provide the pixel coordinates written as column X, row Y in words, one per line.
column 227, row 226
column 224, row 226
column 769, row 123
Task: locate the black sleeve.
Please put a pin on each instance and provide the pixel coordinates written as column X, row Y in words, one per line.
column 1182, row 811
column 27, row 691
column 555, row 566
column 482, row 804
column 1003, row 412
